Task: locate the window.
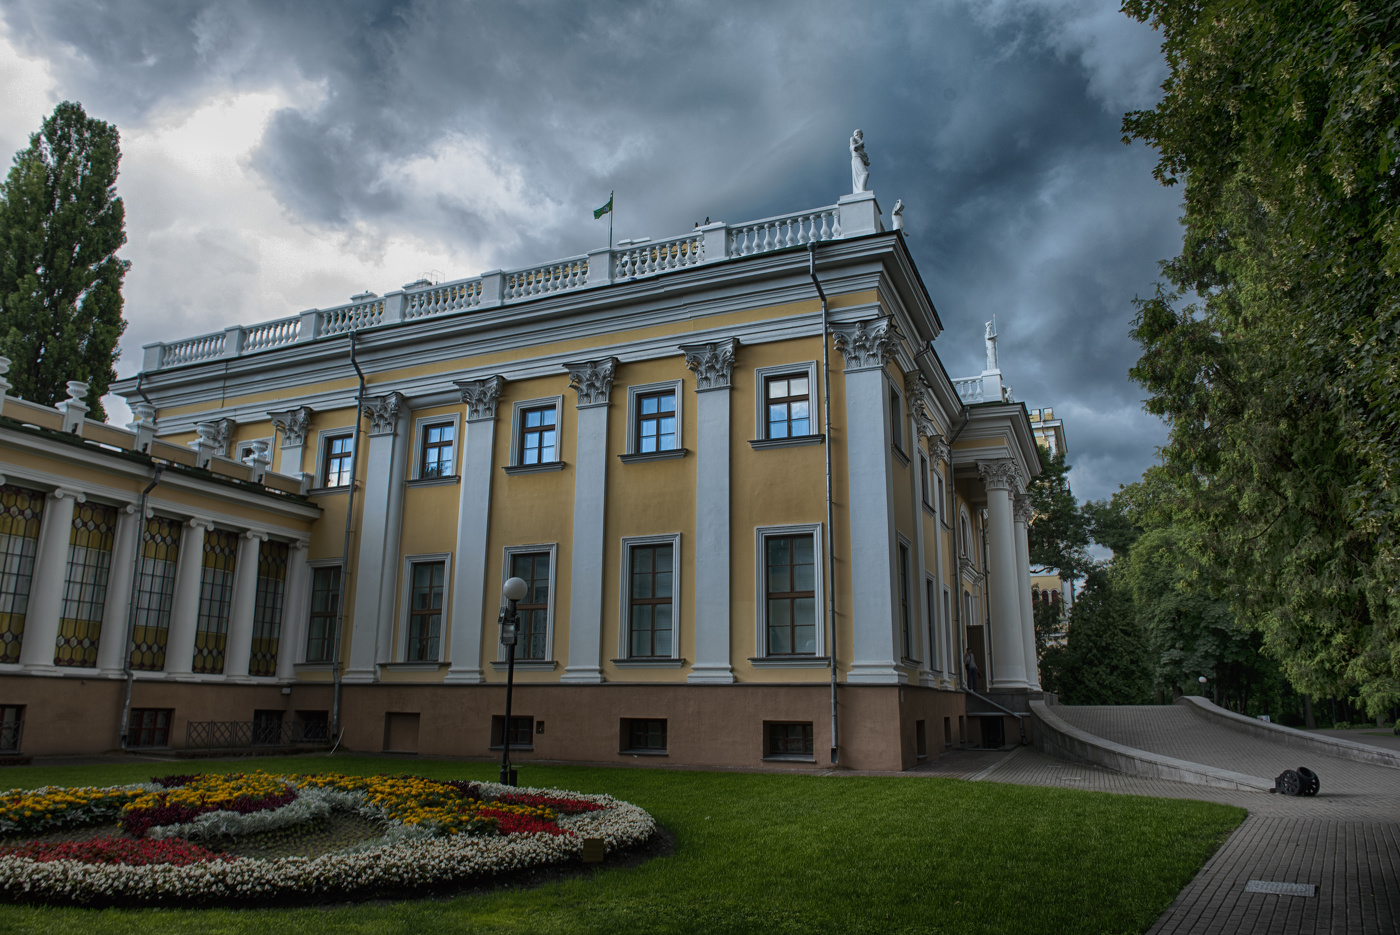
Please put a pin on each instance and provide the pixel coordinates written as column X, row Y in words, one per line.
column 336, row 461
column 656, row 422
column 789, row 741
column 215, row 597
column 522, row 731
column 923, row 480
column 314, row 726
column 11, row 727
column 325, row 614
column 436, row 455
column 787, row 399
column 267, row 728
column 267, row 607
column 938, row 507
column 965, row 530
column 790, row 594
column 651, row 621
column 85, row 591
column 21, row 514
column 896, row 419
column 533, row 569
column 906, row 635
column 155, row 590
column 149, row 727
column 425, row 611
column 644, row 735
column 931, row 608
column 538, row 436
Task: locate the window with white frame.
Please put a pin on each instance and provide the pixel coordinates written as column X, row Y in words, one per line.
column 938, row 504
column 324, row 623
column 789, row 605
column 906, row 622
column 924, row 491
column 215, row 600
column 437, row 449
column 935, row 649
column 427, row 584
column 535, row 432
column 654, row 418
column 948, row 640
column 650, row 577
column 896, row 419
column 785, row 401
column 535, row 566
column 337, row 454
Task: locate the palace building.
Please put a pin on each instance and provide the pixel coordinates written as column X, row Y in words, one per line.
column 758, row 521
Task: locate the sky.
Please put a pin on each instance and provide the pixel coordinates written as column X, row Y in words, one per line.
column 277, row 157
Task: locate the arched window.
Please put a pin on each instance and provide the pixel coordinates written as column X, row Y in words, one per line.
column 966, row 528
column 1054, row 597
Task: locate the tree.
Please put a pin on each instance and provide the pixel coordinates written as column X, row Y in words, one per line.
column 1106, row 660
column 1278, row 385
column 61, row 225
column 1058, row 533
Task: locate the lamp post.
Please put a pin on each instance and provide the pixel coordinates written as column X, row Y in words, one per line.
column 513, row 591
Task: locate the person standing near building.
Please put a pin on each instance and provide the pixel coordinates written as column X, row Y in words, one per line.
column 970, row 664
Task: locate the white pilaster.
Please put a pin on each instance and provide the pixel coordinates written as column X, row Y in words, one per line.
column 294, row 425
column 296, row 602
column 372, row 617
column 867, row 345
column 713, row 365
column 592, row 380
column 111, row 647
column 1021, row 510
column 41, row 620
column 1008, row 641
column 184, row 605
column 473, row 524
column 952, row 649
column 238, row 647
column 925, row 622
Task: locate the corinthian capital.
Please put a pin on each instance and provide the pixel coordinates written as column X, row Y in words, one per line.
column 866, row 345
column 998, row 475
column 592, row 380
column 713, row 363
column 383, row 412
column 293, row 424
column 480, row 397
column 1021, row 508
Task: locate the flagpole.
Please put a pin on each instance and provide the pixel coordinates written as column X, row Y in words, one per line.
column 611, row 211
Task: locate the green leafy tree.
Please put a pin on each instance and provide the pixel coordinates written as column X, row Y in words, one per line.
column 61, row 225
column 1279, row 383
column 1107, row 658
column 1058, row 533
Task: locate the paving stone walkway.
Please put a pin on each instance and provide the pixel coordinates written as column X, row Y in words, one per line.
column 1346, row 841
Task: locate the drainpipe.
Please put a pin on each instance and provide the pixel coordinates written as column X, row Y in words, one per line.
column 127, row 672
column 830, row 536
column 345, row 548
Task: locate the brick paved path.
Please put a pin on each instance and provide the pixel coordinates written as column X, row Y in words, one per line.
column 1346, row 841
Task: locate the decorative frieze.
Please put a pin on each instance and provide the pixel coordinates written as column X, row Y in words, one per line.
column 941, row 450
column 383, row 412
column 1021, row 508
column 866, row 345
column 592, row 380
column 713, row 363
column 480, row 396
column 294, row 424
column 998, row 475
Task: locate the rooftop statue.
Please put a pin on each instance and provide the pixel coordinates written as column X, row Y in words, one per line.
column 860, row 164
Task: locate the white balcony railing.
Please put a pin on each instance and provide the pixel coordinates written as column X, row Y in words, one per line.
column 421, row 300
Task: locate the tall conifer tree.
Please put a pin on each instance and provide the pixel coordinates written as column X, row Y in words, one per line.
column 61, row 225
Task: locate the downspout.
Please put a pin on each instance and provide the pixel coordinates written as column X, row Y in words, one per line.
column 345, row 547
column 127, row 672
column 830, row 537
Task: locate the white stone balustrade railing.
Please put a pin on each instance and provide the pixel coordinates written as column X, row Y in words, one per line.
column 969, row 389
column 707, row 244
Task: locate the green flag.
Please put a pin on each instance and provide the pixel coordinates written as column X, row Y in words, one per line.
column 605, row 209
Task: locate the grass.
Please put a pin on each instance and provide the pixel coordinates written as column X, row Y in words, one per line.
column 767, row 853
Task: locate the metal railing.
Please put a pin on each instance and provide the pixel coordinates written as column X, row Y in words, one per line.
column 236, row 735
column 11, row 733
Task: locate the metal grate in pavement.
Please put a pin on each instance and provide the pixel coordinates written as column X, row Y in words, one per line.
column 1281, row 889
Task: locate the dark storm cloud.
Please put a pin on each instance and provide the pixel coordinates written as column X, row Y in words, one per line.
column 997, row 126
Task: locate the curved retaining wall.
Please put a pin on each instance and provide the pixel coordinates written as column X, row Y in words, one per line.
column 1291, row 736
column 1060, row 738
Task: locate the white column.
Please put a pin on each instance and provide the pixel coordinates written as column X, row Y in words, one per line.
column 1008, row 642
column 713, row 365
column 1021, row 508
column 294, row 425
column 867, row 345
column 916, row 416
column 41, row 619
column 184, row 605
column 291, row 637
column 371, row 622
column 469, row 585
column 112, row 648
column 238, row 646
column 592, row 380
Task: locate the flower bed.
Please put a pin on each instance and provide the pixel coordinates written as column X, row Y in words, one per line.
column 435, row 833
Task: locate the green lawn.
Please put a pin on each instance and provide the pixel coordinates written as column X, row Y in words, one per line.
column 767, row 853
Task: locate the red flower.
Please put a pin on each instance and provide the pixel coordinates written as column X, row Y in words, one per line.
column 116, row 851
column 555, row 804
